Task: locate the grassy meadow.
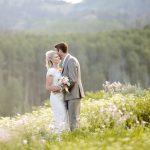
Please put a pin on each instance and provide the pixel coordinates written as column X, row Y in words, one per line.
column 117, row 118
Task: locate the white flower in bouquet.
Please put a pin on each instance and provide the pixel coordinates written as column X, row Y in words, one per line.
column 64, row 82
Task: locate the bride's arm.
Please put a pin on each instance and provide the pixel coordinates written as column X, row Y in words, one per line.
column 50, row 87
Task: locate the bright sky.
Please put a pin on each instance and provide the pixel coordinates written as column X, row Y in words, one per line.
column 73, row 1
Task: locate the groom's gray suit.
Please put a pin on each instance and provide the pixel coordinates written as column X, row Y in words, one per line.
column 71, row 69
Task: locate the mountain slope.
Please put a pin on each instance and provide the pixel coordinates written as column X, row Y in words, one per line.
column 44, row 14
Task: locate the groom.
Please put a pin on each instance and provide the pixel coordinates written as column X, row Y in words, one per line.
column 71, row 69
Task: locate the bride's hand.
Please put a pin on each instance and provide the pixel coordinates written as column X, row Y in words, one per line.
column 58, row 89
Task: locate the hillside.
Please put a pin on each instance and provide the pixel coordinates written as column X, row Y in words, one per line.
column 58, row 16
column 103, row 56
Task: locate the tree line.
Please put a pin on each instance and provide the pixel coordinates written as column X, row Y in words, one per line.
column 113, row 56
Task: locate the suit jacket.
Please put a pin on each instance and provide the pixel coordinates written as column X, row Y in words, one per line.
column 71, row 69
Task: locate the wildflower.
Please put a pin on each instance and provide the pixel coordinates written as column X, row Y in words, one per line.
column 33, row 137
column 24, row 141
column 120, row 112
column 115, row 108
column 4, row 135
column 137, row 121
column 144, row 122
column 42, row 141
column 20, row 121
column 124, row 109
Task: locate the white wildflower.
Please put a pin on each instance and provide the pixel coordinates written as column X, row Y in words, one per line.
column 42, row 141
column 103, row 126
column 24, row 141
column 120, row 112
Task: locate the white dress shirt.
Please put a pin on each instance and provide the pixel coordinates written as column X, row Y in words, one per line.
column 63, row 62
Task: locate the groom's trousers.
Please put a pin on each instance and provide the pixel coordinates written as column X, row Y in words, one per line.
column 73, row 107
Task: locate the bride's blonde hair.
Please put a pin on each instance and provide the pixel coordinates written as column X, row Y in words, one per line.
column 49, row 56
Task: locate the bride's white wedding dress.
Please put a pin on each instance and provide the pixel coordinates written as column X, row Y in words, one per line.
column 60, row 122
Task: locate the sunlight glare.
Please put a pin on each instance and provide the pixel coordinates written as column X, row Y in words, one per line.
column 73, row 1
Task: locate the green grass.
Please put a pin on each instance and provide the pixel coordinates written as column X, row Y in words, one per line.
column 116, row 122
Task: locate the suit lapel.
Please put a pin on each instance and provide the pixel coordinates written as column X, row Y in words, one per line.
column 65, row 63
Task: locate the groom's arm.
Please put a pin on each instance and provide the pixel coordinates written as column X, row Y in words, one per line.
column 73, row 70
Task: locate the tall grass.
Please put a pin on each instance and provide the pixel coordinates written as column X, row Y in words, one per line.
column 108, row 121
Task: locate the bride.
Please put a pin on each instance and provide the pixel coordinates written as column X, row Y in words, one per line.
column 56, row 96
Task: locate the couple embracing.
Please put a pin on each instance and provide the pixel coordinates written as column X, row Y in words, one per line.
column 63, row 81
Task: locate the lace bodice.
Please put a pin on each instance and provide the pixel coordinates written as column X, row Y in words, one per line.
column 56, row 75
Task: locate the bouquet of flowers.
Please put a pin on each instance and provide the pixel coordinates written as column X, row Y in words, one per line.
column 64, row 83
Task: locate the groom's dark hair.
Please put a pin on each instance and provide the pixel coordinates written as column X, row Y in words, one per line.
column 63, row 46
